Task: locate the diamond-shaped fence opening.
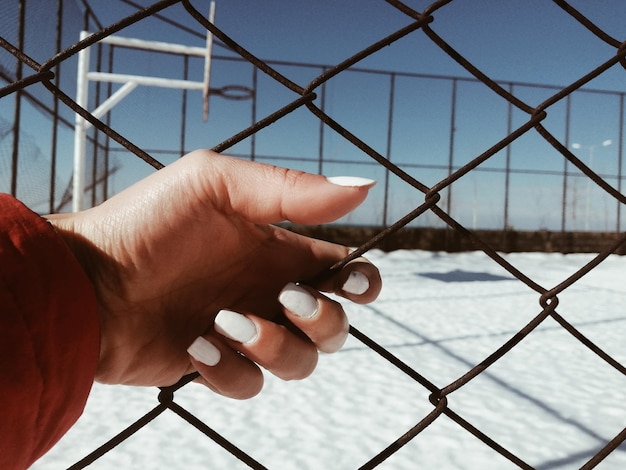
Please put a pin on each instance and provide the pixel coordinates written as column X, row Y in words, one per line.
column 472, row 143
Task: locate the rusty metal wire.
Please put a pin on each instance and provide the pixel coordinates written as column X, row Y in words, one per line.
column 34, row 72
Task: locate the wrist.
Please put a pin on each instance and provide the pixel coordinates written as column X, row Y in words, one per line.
column 96, row 265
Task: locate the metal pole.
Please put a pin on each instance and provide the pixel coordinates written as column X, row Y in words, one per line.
column 183, row 123
column 565, row 165
column 207, row 63
column 451, row 148
column 588, row 190
column 80, row 132
column 392, row 88
column 18, row 101
column 620, row 144
column 320, row 152
column 94, row 152
column 507, row 174
column 107, row 141
column 55, row 112
column 253, row 112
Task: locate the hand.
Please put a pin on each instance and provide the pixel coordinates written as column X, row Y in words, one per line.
column 193, row 240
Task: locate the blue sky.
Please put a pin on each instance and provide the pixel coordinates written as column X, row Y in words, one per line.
column 509, row 40
column 530, row 41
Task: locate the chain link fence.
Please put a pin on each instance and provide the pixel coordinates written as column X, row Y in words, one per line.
column 37, row 77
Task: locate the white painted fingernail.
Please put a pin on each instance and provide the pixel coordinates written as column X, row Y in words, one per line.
column 351, row 181
column 298, row 300
column 235, row 326
column 204, row 351
column 357, row 283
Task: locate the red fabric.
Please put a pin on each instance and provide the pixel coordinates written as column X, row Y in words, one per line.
column 49, row 336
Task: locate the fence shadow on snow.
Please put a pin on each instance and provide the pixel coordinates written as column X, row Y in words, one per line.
column 32, row 73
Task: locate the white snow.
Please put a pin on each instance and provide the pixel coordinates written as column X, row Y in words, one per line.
column 550, row 401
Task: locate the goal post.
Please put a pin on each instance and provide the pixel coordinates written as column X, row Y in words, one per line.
column 129, row 83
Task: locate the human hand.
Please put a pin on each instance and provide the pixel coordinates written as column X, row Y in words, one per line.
column 173, row 257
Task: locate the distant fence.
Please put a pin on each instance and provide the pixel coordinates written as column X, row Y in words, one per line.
column 32, row 71
column 451, row 241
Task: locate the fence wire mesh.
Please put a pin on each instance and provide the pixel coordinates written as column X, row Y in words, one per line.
column 32, row 73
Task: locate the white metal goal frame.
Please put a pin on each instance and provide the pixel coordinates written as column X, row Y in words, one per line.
column 129, row 83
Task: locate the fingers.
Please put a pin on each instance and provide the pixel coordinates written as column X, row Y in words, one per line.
column 227, row 358
column 268, row 194
column 230, row 358
column 223, row 370
column 321, row 319
column 274, row 347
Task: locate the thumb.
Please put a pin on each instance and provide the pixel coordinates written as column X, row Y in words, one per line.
column 269, row 194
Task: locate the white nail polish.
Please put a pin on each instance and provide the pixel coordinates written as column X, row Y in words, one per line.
column 357, row 283
column 203, row 351
column 298, row 301
column 235, row 326
column 351, row 181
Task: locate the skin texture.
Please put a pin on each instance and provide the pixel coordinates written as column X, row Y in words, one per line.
column 167, row 254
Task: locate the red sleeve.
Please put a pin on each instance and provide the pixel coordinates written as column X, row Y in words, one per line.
column 49, row 336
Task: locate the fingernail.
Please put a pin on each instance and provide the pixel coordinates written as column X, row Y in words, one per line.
column 351, row 181
column 203, row 351
column 235, row 326
column 357, row 283
column 298, row 301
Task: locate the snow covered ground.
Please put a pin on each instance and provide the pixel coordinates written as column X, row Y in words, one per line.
column 550, row 401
